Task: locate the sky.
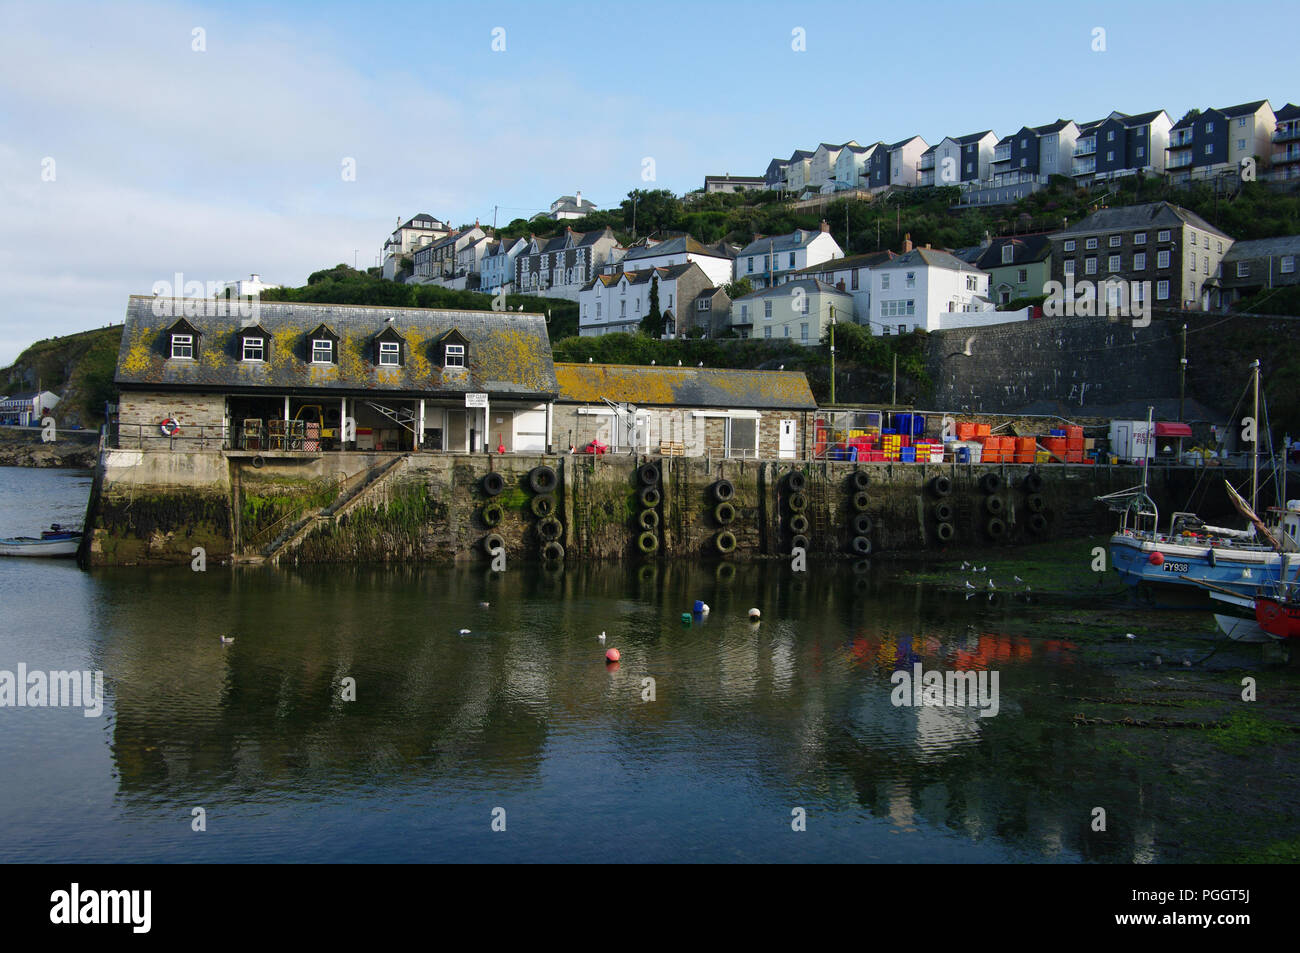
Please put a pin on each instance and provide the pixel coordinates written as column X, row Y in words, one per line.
column 143, row 140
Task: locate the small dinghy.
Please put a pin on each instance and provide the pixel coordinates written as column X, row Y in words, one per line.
column 53, row 542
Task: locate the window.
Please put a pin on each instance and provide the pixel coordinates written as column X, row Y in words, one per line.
column 1069, row 266
column 897, row 308
column 1209, row 148
column 791, row 265
column 1162, row 289
column 1110, row 155
column 853, row 280
column 454, row 356
column 390, row 354
column 1008, row 254
column 1241, row 123
column 322, row 351
column 1162, row 259
column 1205, row 265
column 1110, row 135
column 786, row 330
column 1090, row 244
column 1162, row 235
column 1288, row 264
column 597, row 310
column 704, row 304
column 1090, row 265
column 1069, row 245
column 1241, row 144
column 1209, row 126
column 751, row 264
column 884, row 282
column 767, row 310
column 803, row 331
column 804, row 305
column 910, row 280
column 767, row 331
column 1022, row 275
column 742, row 436
column 1112, row 264
column 1115, row 240
column 183, row 346
column 1141, row 151
column 1220, row 248
column 1139, row 238
column 744, row 313
column 1243, row 269
column 254, row 349
column 767, row 262
column 1140, row 261
column 902, row 329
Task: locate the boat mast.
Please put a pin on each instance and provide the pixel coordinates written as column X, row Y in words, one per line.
column 1146, row 460
column 1254, row 447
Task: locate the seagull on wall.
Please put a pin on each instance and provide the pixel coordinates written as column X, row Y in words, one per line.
column 966, row 352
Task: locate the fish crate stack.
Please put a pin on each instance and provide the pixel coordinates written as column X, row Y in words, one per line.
column 976, row 444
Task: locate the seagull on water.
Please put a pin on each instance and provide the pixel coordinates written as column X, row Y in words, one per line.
column 1018, row 579
column 965, row 565
column 483, row 605
column 464, row 631
column 602, row 638
column 968, row 585
column 991, row 586
column 226, row 640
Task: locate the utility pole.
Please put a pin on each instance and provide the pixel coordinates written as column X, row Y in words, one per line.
column 893, row 400
column 634, row 198
column 494, row 217
column 846, row 228
column 832, row 355
column 1182, row 388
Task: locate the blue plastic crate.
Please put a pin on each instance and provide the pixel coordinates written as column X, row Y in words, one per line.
column 1058, row 433
column 888, row 430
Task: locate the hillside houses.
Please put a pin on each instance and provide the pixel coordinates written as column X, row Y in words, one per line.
column 559, row 267
column 767, row 259
column 613, row 303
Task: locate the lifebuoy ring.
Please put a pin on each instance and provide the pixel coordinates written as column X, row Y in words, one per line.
column 170, row 427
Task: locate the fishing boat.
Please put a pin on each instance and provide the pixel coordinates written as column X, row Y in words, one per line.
column 1189, row 552
column 53, row 542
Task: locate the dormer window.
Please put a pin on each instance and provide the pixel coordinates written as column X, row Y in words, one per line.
column 390, row 354
column 322, row 351
column 454, row 356
column 1008, row 254
column 254, row 349
column 183, row 347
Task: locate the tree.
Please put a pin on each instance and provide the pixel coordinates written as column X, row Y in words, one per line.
column 652, row 210
column 738, row 288
column 653, row 323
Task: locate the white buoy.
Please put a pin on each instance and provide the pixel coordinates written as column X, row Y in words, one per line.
column 754, row 615
column 226, row 641
column 704, row 609
column 602, row 638
column 464, row 631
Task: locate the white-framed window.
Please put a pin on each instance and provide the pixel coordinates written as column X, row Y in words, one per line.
column 803, row 305
column 454, row 356
column 1141, row 151
column 884, row 282
column 1205, row 265
column 1220, row 249
column 390, row 354
column 1069, row 244
column 1110, row 155
column 1193, row 238
column 322, row 351
column 597, row 310
column 1090, row 244
column 1008, row 254
column 1241, row 144
column 1112, row 264
column 785, row 330
column 767, row 310
column 1243, row 269
column 742, row 436
column 1115, row 241
column 1140, row 261
column 902, row 329
column 1209, row 148
column 1162, row 259
column 1209, row 126
column 1288, row 265
column 1110, row 135
column 909, row 280
column 897, row 307
column 1139, row 238
column 767, row 331
column 1241, row 122
column 1069, row 266
column 744, row 313
column 803, row 331
column 254, row 349
column 791, row 265
column 1090, row 265
column 751, row 264
column 1022, row 275
column 1162, row 235
column 1162, row 290
column 183, row 347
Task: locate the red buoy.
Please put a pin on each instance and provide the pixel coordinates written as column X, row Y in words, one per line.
column 1157, row 558
column 612, row 655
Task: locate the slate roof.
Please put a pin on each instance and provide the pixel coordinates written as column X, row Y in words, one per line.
column 1262, row 248
column 1141, row 119
column 786, row 289
column 868, row 260
column 508, row 354
column 1028, row 249
column 785, row 242
column 682, row 244
column 704, row 387
column 1243, row 109
column 931, row 257
column 973, row 136
column 1288, row 112
column 1051, row 127
column 1151, row 215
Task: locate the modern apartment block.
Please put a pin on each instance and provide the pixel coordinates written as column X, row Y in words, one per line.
column 1121, row 145
column 1214, row 142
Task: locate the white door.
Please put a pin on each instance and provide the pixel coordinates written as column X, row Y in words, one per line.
column 785, row 448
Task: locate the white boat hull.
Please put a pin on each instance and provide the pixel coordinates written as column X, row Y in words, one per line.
column 39, row 547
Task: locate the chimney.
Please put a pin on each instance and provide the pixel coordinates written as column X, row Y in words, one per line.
column 579, row 199
column 907, row 243
column 255, row 278
column 757, row 236
column 988, row 239
column 825, row 227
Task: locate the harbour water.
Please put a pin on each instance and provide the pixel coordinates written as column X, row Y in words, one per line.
column 743, row 734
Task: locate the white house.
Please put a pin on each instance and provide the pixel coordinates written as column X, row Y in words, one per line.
column 497, row 268
column 247, row 287
column 851, row 166
column 570, row 207
column 422, row 229
column 821, row 168
column 469, row 258
column 559, row 267
column 766, row 260
column 929, row 290
column 798, row 310
column 617, row 303
column 716, row 261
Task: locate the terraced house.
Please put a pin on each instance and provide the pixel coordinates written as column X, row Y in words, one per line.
column 559, row 267
column 1215, row 142
column 768, row 259
column 612, row 303
column 305, row 378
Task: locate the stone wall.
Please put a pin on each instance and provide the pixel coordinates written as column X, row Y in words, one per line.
column 201, row 416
